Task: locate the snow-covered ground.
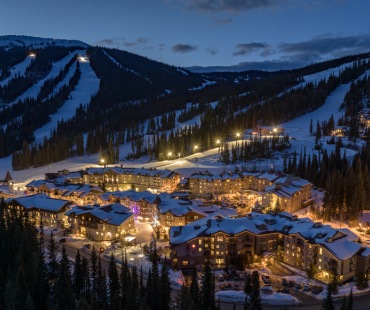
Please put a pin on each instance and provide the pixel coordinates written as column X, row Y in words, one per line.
column 87, row 86
column 34, row 90
column 18, row 69
column 298, row 130
column 271, row 299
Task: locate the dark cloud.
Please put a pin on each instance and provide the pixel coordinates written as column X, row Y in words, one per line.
column 328, row 45
column 212, row 50
column 123, row 42
column 248, row 48
column 232, row 6
column 268, row 65
column 183, row 48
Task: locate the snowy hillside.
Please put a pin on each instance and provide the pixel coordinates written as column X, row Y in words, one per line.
column 298, row 130
column 33, row 42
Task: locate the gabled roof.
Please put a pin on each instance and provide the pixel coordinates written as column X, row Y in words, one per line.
column 40, row 201
column 114, row 214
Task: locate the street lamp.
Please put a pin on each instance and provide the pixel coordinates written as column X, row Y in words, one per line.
column 218, row 141
column 195, row 148
column 169, row 154
column 179, row 154
column 102, row 161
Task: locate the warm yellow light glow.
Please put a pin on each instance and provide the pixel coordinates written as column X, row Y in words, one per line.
column 195, row 147
column 102, row 161
column 238, row 134
column 218, row 141
column 32, row 55
column 275, row 130
column 169, row 154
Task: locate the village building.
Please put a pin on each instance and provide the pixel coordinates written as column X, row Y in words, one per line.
column 298, row 242
column 267, row 190
column 142, row 204
column 101, row 223
column 40, row 206
column 119, row 178
column 177, row 212
column 6, row 192
column 79, row 194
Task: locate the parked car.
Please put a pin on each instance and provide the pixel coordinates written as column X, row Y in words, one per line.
column 226, row 286
column 284, row 290
column 220, row 278
column 298, row 286
column 267, row 290
column 317, row 289
column 266, row 279
column 307, row 288
column 291, row 284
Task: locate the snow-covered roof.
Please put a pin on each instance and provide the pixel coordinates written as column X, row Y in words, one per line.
column 133, row 171
column 337, row 242
column 40, row 201
column 5, row 189
column 130, row 195
column 39, row 182
column 114, row 214
column 343, row 248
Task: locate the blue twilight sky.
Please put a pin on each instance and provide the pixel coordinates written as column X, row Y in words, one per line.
column 260, row 33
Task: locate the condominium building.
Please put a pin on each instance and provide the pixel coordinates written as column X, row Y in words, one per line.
column 101, row 223
column 298, row 242
column 40, row 206
column 119, row 178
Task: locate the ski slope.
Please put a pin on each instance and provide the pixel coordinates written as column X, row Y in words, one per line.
column 34, row 90
column 87, row 87
column 18, row 69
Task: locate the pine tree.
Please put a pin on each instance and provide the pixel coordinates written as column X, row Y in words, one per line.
column 184, row 300
column 194, row 288
column 77, row 275
column 328, row 303
column 207, row 296
column 113, row 284
column 350, row 301
column 165, row 298
column 255, row 295
column 64, row 292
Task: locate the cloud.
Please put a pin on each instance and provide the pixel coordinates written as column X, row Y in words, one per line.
column 183, row 48
column 324, row 47
column 230, row 6
column 123, row 42
column 212, row 50
column 248, row 48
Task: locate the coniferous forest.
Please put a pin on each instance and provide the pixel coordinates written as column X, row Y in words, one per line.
column 36, row 273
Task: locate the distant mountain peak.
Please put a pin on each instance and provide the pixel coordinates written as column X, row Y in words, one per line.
column 36, row 42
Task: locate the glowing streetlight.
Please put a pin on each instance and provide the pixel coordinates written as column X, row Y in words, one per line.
column 218, row 141
column 275, row 130
column 102, row 161
column 169, row 154
column 195, row 148
column 179, row 154
column 238, row 135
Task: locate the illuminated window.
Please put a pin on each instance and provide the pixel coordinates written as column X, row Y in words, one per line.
column 185, row 263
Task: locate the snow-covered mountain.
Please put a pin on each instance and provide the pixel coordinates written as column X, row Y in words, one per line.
column 35, row 42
